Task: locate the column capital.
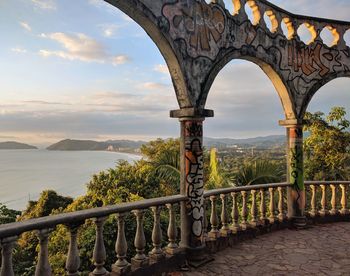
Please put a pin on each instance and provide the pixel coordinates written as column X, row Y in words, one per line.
column 292, row 123
column 191, row 112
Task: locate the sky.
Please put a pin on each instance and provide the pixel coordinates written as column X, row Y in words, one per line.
column 83, row 70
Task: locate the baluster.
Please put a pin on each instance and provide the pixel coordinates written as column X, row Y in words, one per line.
column 281, row 214
column 262, row 207
column 313, row 212
column 7, row 245
column 244, row 223
column 43, row 267
column 140, row 259
column 214, row 221
column 99, row 254
column 225, row 229
column 253, row 211
column 121, row 266
column 73, row 259
column 235, row 214
column 272, row 217
column 334, row 210
column 324, row 210
column 172, row 247
column 344, row 210
column 157, row 253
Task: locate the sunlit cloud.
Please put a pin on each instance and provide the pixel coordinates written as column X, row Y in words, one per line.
column 110, row 30
column 152, row 86
column 161, row 68
column 19, row 50
column 45, row 4
column 81, row 47
column 25, row 26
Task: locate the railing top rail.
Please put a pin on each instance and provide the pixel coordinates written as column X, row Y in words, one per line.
column 304, row 17
column 326, row 182
column 77, row 217
column 245, row 188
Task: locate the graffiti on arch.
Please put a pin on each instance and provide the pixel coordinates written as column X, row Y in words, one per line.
column 199, row 24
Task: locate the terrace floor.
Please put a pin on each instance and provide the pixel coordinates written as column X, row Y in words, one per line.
column 319, row 250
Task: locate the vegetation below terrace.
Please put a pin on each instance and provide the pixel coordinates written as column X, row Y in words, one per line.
column 327, row 156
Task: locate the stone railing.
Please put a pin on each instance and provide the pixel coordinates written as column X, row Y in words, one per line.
column 279, row 21
column 9, row 234
column 230, row 212
column 327, row 198
column 244, row 217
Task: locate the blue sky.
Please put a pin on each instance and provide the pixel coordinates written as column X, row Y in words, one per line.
column 82, row 69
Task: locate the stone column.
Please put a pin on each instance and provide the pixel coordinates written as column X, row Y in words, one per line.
column 191, row 183
column 295, row 172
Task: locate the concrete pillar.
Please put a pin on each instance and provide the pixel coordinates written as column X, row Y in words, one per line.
column 295, row 172
column 191, row 183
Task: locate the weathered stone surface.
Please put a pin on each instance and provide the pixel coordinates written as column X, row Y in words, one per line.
column 321, row 250
column 198, row 39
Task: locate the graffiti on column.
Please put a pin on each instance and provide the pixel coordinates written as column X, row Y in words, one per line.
column 200, row 25
column 296, row 158
column 194, row 175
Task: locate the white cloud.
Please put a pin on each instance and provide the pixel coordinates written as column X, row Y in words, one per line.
column 152, row 86
column 161, row 68
column 25, row 25
column 110, row 30
column 81, row 47
column 45, row 4
column 19, row 50
column 117, row 60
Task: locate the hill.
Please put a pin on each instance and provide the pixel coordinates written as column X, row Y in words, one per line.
column 111, row 145
column 260, row 142
column 11, row 145
column 128, row 145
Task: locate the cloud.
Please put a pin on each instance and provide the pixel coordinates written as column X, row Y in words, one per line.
column 19, row 50
column 117, row 60
column 161, row 68
column 110, row 30
column 81, row 47
column 152, row 86
column 25, row 25
column 45, row 4
column 45, row 102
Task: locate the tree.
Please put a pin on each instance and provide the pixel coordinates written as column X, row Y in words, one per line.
column 217, row 178
column 164, row 157
column 259, row 172
column 7, row 215
column 327, row 148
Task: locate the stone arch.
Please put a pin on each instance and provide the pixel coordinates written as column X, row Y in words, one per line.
column 280, row 86
column 317, row 86
column 153, row 27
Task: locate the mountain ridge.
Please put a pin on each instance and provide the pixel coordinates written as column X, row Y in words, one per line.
column 117, row 145
column 12, row 145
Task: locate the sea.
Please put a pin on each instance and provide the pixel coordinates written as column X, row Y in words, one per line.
column 24, row 174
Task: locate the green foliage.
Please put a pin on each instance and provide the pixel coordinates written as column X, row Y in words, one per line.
column 25, row 254
column 327, row 148
column 259, row 172
column 217, row 177
column 164, row 157
column 7, row 215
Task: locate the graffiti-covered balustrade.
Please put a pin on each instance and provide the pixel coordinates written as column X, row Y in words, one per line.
column 198, row 39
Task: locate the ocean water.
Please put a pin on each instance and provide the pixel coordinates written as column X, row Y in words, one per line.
column 24, row 174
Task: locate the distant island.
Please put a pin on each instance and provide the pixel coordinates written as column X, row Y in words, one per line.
column 134, row 146
column 89, row 145
column 11, row 145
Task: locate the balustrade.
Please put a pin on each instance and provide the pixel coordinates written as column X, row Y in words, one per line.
column 243, row 210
